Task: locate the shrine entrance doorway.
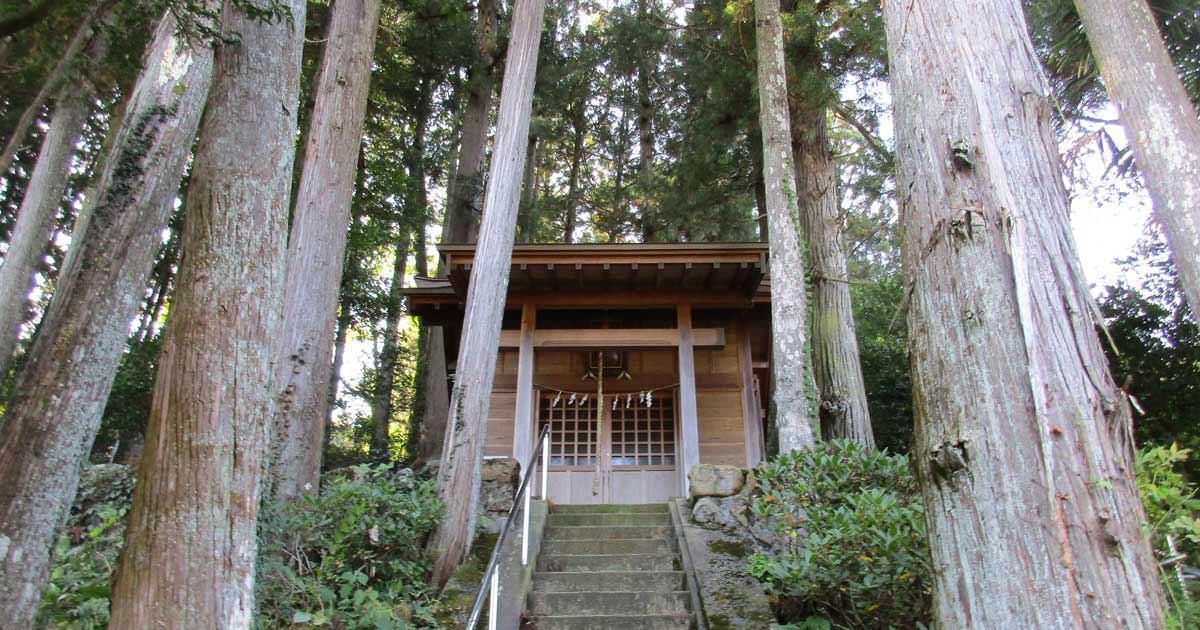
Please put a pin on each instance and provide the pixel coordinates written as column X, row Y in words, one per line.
column 622, row 449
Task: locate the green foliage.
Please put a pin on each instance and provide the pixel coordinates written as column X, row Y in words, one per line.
column 1171, row 503
column 77, row 595
column 128, row 407
column 1155, row 350
column 351, row 558
column 853, row 537
column 883, row 348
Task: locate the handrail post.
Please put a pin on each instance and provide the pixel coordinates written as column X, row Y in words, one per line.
column 493, row 613
column 525, row 530
column 545, row 466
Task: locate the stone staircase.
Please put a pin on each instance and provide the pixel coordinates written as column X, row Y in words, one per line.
column 608, row 566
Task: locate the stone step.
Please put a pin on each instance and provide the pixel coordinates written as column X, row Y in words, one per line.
column 627, row 546
column 611, row 508
column 607, row 562
column 608, row 532
column 610, row 519
column 608, row 603
column 609, row 622
column 590, row 581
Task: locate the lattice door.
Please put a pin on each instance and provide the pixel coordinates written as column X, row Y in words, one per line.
column 574, row 430
column 644, row 436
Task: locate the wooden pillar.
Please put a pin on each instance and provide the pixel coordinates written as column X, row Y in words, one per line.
column 751, row 418
column 523, row 419
column 689, row 423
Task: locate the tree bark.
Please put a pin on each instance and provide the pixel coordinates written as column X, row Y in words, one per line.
column 317, row 247
column 459, row 474
column 385, row 375
column 1023, row 445
column 789, row 304
column 190, row 546
column 83, row 33
column 1161, row 120
column 462, row 214
column 74, row 358
column 836, row 367
column 36, row 217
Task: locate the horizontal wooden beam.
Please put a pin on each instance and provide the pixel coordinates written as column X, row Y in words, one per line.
column 614, row 338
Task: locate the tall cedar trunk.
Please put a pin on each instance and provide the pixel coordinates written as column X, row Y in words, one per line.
column 837, row 370
column 789, row 304
column 1161, row 120
column 579, row 125
column 527, row 216
column 83, row 34
column 462, row 220
column 760, row 184
column 415, row 215
column 1023, row 445
column 74, row 358
column 459, row 474
column 36, row 217
column 190, row 545
column 335, row 374
column 317, row 247
column 645, row 124
column 385, row 375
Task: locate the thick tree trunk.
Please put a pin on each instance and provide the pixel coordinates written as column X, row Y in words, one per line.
column 1023, row 445
column 789, row 303
column 36, row 217
column 462, row 213
column 317, row 247
column 836, row 367
column 459, row 474
column 435, row 394
column 385, row 373
column 1161, row 120
column 190, row 546
column 83, row 34
column 74, row 357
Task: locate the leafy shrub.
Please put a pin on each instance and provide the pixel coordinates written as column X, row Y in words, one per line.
column 851, row 532
column 77, row 595
column 352, row 557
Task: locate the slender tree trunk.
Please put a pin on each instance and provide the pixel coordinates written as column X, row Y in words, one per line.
column 335, row 375
column 1023, row 445
column 74, row 357
column 163, row 276
column 36, row 218
column 789, row 304
column 435, row 394
column 527, row 216
column 645, row 123
column 83, row 34
column 760, row 186
column 1161, row 120
column 190, row 546
column 579, row 125
column 459, row 474
column 837, row 369
column 317, row 247
column 385, row 375
column 462, row 213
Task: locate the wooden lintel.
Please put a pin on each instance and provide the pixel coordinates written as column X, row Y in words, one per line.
column 615, row 338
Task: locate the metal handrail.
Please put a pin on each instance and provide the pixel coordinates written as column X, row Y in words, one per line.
column 492, row 572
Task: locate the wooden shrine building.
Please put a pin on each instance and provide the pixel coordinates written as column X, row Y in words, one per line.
column 645, row 359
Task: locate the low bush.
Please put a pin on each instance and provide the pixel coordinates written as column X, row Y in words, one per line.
column 851, row 538
column 351, row 558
